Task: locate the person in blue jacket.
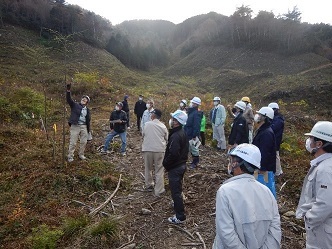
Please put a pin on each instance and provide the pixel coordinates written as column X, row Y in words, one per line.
column 192, row 129
column 265, row 139
column 278, row 124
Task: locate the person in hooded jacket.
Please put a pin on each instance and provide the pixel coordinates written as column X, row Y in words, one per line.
column 265, row 139
column 278, row 124
column 315, row 204
column 79, row 123
column 239, row 131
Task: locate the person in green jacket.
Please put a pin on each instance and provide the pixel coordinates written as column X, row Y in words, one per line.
column 202, row 130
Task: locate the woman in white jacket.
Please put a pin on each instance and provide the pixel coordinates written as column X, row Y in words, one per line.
column 315, row 204
column 247, row 214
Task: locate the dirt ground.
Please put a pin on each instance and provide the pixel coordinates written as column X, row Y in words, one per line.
column 151, row 230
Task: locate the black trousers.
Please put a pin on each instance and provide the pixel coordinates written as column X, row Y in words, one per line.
column 175, row 177
column 128, row 124
column 139, row 118
column 202, row 135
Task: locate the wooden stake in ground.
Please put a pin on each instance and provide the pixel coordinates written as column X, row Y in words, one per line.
column 95, row 211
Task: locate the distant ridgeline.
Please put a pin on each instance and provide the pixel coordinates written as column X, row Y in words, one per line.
column 145, row 44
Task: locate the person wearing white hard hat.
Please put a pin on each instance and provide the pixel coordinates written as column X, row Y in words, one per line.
column 218, row 119
column 183, row 105
column 315, row 204
column 247, row 213
column 278, row 124
column 239, row 131
column 249, row 116
column 174, row 162
column 265, row 139
column 192, row 129
column 79, row 122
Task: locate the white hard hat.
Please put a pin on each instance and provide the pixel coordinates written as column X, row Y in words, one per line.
column 180, row 116
column 216, row 99
column 274, row 105
column 196, row 100
column 322, row 130
column 184, row 101
column 249, row 153
column 87, row 97
column 266, row 111
column 241, row 105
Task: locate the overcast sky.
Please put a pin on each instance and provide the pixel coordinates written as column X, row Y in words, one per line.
column 176, row 11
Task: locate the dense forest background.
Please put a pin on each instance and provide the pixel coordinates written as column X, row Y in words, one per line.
column 143, row 44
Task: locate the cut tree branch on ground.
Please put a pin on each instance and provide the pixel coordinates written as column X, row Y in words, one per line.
column 295, row 226
column 183, row 230
column 89, row 207
column 95, row 211
column 191, row 244
column 201, row 239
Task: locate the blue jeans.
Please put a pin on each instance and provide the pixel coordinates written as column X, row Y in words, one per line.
column 175, row 178
column 111, row 135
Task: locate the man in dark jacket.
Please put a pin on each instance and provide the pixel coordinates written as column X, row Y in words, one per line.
column 79, row 123
column 140, row 107
column 174, row 162
column 192, row 129
column 239, row 132
column 118, row 121
column 125, row 108
column 278, row 124
column 265, row 139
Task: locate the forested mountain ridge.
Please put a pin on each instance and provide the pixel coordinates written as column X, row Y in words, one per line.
column 144, row 44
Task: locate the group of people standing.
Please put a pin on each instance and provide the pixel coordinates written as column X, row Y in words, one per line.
column 246, row 211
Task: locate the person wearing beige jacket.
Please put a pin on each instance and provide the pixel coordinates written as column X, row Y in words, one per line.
column 155, row 136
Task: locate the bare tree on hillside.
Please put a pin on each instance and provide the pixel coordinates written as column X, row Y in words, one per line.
column 65, row 43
